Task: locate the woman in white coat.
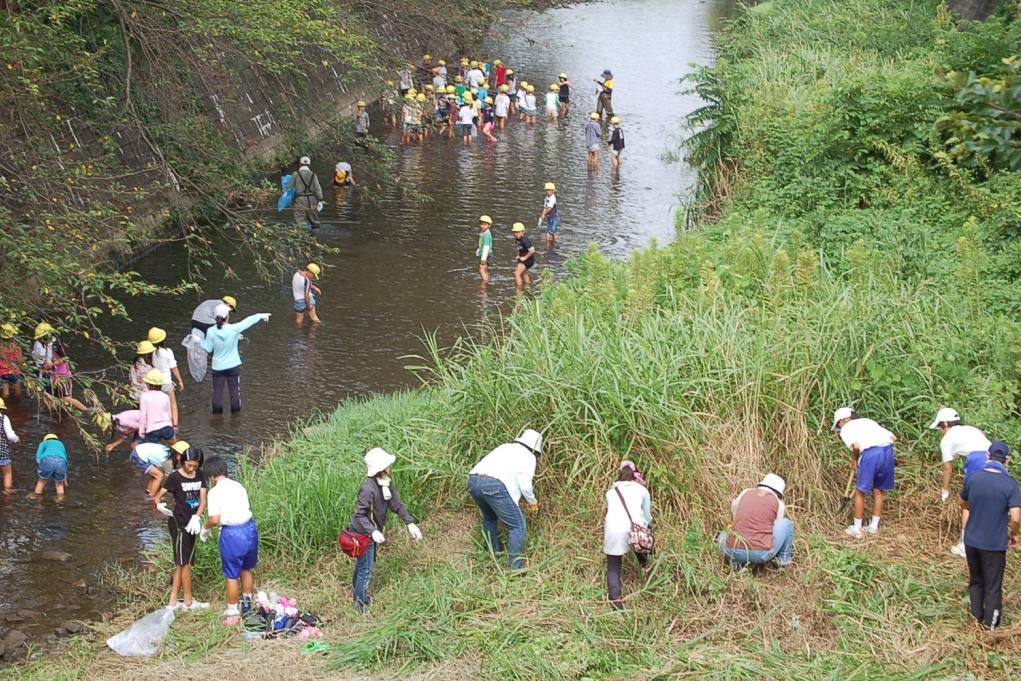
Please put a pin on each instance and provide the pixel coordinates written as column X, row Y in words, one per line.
column 629, row 492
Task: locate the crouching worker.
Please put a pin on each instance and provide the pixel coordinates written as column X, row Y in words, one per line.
column 497, row 484
column 627, row 503
column 376, row 498
column 153, row 461
column 762, row 533
column 239, row 537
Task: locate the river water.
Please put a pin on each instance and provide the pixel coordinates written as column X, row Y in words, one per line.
column 407, row 268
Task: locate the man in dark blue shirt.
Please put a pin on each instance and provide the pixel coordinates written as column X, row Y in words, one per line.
column 994, row 502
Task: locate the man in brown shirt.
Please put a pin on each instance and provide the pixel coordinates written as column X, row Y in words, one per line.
column 761, row 532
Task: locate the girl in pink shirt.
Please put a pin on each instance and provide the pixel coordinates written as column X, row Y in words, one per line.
column 155, row 415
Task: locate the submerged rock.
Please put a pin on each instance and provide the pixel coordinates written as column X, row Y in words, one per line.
column 57, row 556
column 15, row 639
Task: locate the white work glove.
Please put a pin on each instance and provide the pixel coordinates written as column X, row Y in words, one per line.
column 265, row 316
column 205, row 533
column 162, row 508
column 944, row 495
column 378, row 537
column 194, row 525
column 415, row 533
column 319, row 207
column 539, row 223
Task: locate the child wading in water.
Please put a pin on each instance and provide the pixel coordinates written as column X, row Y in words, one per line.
column 552, row 102
column 188, row 486
column 164, row 360
column 616, row 142
column 51, row 464
column 526, row 256
column 485, row 249
column 7, row 438
column 239, row 536
column 550, row 213
column 140, row 367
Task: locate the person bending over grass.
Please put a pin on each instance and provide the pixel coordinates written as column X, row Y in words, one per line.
column 497, row 483
column 959, row 441
column 871, row 447
column 626, row 501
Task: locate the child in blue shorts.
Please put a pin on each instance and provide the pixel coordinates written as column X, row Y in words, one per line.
column 239, row 537
column 51, row 464
column 872, row 448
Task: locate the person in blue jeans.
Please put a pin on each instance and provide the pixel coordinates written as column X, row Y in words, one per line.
column 761, row 530
column 871, row 448
column 376, row 498
column 51, row 464
column 497, row 483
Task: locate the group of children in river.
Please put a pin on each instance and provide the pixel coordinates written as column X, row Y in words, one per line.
column 479, row 98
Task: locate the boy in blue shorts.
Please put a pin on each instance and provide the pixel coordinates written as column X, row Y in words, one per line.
column 871, row 446
column 239, row 537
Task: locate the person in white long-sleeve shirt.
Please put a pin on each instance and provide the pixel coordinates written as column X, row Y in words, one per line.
column 497, row 484
column 7, row 438
column 626, row 501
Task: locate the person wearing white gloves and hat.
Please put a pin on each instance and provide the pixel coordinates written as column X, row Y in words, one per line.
column 871, row 446
column 963, row 441
column 376, row 498
column 762, row 532
column 497, row 484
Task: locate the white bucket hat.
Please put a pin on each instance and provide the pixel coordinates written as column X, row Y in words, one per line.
column 774, row 482
column 221, row 311
column 377, row 460
column 532, row 440
column 840, row 414
column 305, row 160
column 944, row 415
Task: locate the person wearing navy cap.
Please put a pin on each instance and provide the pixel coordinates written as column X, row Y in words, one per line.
column 993, row 500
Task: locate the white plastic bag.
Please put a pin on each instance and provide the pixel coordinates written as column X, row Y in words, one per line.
column 198, row 359
column 144, row 636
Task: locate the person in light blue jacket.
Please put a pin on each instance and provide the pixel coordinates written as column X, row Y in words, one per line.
column 222, row 341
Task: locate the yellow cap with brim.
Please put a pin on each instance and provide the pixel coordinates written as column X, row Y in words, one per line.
column 153, row 377
column 314, row 269
column 144, row 347
column 518, row 227
column 181, row 446
column 486, row 219
column 157, row 335
column 50, row 436
column 230, row 301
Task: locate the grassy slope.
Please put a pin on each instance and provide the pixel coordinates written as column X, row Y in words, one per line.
column 709, row 361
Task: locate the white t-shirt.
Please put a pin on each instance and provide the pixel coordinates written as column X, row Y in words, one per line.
column 298, row 284
column 514, row 466
column 164, row 360
column 474, row 77
column 465, row 115
column 439, row 82
column 521, row 97
column 530, row 101
column 501, row 105
column 962, row 441
column 550, row 202
column 229, row 500
column 866, row 432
